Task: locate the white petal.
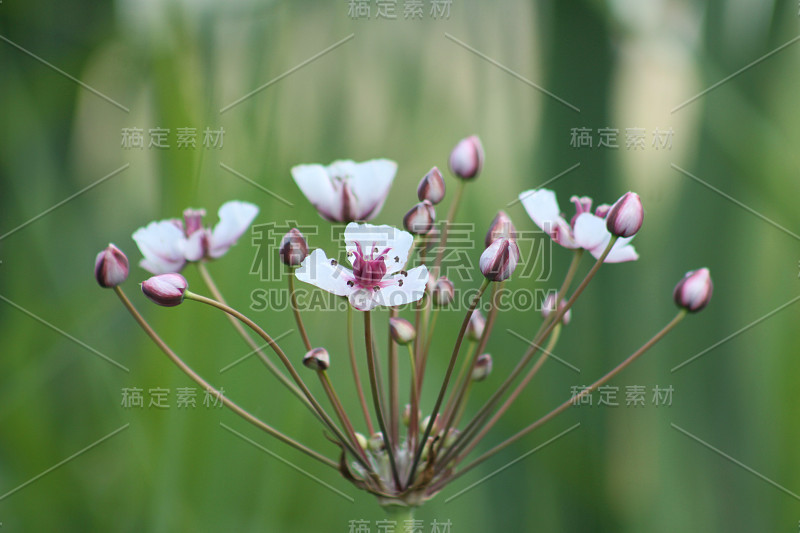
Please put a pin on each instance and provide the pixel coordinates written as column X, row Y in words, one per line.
column 234, row 219
column 371, row 181
column 562, row 233
column 542, row 207
column 381, row 237
column 363, row 299
column 318, row 270
column 159, row 243
column 193, row 247
column 621, row 252
column 591, row 232
column 318, row 187
column 413, row 288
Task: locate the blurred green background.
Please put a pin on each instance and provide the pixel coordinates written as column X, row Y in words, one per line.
column 400, row 89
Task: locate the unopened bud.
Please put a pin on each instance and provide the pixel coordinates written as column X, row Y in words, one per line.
column 482, row 368
column 443, row 292
column 466, row 159
column 477, row 323
column 693, row 292
column 549, row 306
column 402, row 330
column 165, row 289
column 111, row 267
column 407, row 415
column 375, row 443
column 317, row 359
column 427, row 420
column 294, row 248
column 500, row 259
column 362, row 441
column 420, row 218
column 431, row 187
column 451, row 437
column 501, row 226
column 625, row 217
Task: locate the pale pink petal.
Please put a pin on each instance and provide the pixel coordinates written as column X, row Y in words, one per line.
column 370, row 237
column 591, row 232
column 325, row 273
column 411, row 290
column 364, row 299
column 194, row 246
column 234, row 219
column 318, row 187
column 159, row 243
column 542, row 207
column 621, row 252
column 371, row 181
column 561, row 232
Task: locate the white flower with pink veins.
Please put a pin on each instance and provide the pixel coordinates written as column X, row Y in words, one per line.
column 585, row 230
column 378, row 255
column 168, row 244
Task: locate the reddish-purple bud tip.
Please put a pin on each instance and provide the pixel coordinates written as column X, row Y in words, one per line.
column 501, row 226
column 401, row 330
column 419, row 220
column 500, row 259
column 317, row 359
column 477, row 323
column 693, row 292
column 293, row 248
column 111, row 267
column 482, row 368
column 466, row 159
column 625, row 217
column 443, row 292
column 165, row 289
column 431, row 187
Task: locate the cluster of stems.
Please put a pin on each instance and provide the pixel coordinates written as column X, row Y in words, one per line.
column 399, row 455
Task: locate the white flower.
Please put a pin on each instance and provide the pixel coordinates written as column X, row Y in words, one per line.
column 346, row 191
column 168, row 244
column 378, row 255
column 585, row 230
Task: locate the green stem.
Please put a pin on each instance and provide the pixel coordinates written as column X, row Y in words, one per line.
column 230, row 404
column 351, row 345
column 296, row 311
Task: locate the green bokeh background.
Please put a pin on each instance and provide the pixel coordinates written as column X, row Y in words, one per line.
column 401, row 89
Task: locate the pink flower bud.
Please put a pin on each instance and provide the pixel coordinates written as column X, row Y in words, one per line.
column 317, row 359
column 549, row 306
column 477, row 323
column 482, row 368
column 500, row 259
column 419, row 220
column 293, row 248
column 501, row 226
column 625, row 217
column 111, row 267
column 443, row 292
column 693, row 292
column 165, row 289
column 466, row 159
column 431, row 187
column 401, row 330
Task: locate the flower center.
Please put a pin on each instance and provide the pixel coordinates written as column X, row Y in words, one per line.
column 369, row 269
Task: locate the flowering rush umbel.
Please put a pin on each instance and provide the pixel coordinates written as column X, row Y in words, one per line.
column 405, row 442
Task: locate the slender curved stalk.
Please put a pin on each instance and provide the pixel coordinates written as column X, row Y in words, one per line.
column 394, row 385
column 451, row 214
column 325, row 379
column 209, row 281
column 446, row 382
column 577, row 397
column 296, row 311
column 376, row 397
column 230, row 404
column 354, row 367
column 292, row 372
